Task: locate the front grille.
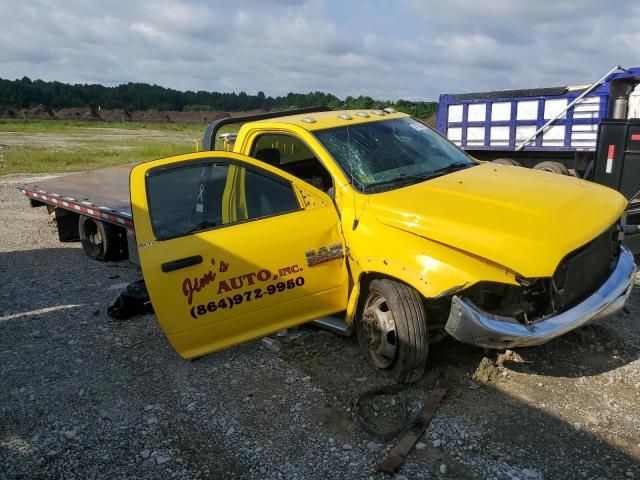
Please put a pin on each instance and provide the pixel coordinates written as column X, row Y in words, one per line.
column 584, row 270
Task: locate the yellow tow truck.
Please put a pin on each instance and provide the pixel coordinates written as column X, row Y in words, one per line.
column 365, row 221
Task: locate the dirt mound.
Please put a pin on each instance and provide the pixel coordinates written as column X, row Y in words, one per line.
column 246, row 113
column 77, row 114
column 154, row 116
column 36, row 113
column 8, row 113
column 120, row 115
column 487, row 371
column 196, row 117
column 115, row 115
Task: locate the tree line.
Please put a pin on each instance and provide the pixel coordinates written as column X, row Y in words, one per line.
column 27, row 93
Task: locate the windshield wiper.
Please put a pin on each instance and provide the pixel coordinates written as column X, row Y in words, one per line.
column 450, row 168
column 404, row 178
column 407, row 178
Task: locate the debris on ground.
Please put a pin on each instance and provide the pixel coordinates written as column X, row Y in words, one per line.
column 271, row 344
column 132, row 301
column 396, row 457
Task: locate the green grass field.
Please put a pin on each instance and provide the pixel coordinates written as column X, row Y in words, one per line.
column 48, row 146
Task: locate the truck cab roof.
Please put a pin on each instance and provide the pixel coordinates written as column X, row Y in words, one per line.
column 309, row 119
column 331, row 119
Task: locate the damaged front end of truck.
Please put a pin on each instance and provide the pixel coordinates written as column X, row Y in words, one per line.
column 591, row 282
column 503, row 268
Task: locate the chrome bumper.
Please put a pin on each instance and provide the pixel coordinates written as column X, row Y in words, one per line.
column 471, row 325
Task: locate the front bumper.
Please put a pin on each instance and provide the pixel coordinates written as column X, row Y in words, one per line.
column 471, row 325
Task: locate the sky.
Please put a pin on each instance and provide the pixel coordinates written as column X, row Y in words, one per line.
column 411, row 49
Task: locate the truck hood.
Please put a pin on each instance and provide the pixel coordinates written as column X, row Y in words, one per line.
column 524, row 220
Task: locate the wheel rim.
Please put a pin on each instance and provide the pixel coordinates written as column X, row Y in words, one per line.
column 93, row 237
column 96, row 238
column 379, row 330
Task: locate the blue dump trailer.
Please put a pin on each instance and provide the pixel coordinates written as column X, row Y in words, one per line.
column 556, row 129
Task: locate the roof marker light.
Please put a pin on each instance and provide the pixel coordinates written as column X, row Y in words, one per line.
column 390, row 110
column 345, row 116
column 363, row 114
column 309, row 120
column 379, row 112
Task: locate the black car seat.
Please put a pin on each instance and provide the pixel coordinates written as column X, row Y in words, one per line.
column 270, row 156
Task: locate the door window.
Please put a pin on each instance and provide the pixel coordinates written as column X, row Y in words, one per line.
column 202, row 196
column 293, row 156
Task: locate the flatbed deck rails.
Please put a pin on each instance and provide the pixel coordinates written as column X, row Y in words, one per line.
column 103, row 213
column 102, row 194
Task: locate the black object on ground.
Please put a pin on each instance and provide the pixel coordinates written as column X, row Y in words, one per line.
column 399, row 453
column 133, row 300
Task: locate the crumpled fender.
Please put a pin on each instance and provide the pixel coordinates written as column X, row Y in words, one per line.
column 433, row 269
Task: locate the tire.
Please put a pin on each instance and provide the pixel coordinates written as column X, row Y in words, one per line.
column 553, row 167
column 392, row 330
column 102, row 241
column 507, row 161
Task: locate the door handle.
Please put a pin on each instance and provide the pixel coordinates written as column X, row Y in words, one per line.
column 181, row 263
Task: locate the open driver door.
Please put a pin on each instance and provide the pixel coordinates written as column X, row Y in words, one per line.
column 233, row 249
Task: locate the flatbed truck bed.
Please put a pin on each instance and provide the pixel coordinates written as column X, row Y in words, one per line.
column 92, row 207
column 102, row 194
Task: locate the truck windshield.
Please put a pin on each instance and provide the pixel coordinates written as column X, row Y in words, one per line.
column 379, row 156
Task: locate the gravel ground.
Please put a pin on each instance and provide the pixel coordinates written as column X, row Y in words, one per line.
column 84, row 396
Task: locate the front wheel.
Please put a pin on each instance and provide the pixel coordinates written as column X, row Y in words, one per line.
column 392, row 330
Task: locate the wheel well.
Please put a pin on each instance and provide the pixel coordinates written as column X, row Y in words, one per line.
column 437, row 309
column 367, row 277
column 67, row 223
column 364, row 281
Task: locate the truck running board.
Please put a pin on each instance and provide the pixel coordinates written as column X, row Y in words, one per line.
column 334, row 324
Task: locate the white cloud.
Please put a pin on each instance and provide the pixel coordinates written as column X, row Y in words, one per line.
column 146, row 30
column 411, row 49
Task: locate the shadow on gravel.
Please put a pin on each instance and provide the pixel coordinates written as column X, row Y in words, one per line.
column 541, row 408
column 50, row 279
column 552, row 426
column 81, row 395
column 592, row 350
column 32, row 280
